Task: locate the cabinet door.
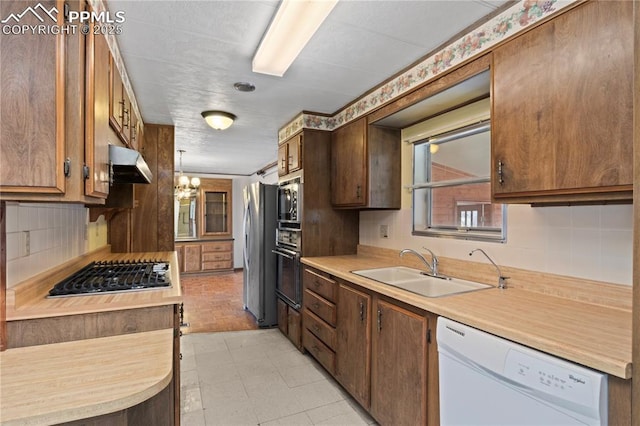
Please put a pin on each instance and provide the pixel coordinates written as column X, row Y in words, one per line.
column 353, row 343
column 192, row 258
column 283, row 317
column 348, row 165
column 32, row 106
column 97, row 117
column 294, row 152
column 282, row 160
column 562, row 99
column 294, row 327
column 215, row 207
column 399, row 366
column 133, row 129
column 116, row 100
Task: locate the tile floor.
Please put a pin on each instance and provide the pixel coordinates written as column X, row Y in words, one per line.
column 258, row 377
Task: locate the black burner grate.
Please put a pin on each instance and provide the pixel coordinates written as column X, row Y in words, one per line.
column 114, row 276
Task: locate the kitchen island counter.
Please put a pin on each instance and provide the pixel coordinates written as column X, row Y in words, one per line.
column 597, row 336
column 27, row 300
column 62, row 382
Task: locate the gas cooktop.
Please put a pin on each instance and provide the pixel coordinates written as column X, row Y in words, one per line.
column 114, row 277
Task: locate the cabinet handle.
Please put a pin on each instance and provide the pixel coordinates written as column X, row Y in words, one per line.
column 316, row 305
column 500, row 172
column 379, row 320
column 358, row 191
column 128, row 120
column 315, row 349
column 283, row 163
column 361, row 311
column 122, row 105
column 291, row 160
column 316, row 328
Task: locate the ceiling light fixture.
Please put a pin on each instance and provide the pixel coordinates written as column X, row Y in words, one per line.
column 218, row 120
column 292, row 27
column 186, row 188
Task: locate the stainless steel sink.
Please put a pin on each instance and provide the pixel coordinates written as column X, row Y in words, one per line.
column 414, row 281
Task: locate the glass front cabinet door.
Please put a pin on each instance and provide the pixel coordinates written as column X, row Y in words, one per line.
column 215, row 207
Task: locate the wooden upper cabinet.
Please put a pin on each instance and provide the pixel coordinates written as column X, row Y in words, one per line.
column 399, row 365
column 290, row 155
column 365, row 166
column 215, row 207
column 562, row 108
column 120, row 110
column 32, row 106
column 43, row 116
column 282, row 160
column 348, row 165
column 294, row 151
column 97, row 118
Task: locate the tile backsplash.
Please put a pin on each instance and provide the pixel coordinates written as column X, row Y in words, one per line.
column 43, row 235
column 592, row 242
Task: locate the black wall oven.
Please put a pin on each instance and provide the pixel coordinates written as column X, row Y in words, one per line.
column 289, row 271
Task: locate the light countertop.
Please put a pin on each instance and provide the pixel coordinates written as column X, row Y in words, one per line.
column 50, row 384
column 28, row 299
column 593, row 335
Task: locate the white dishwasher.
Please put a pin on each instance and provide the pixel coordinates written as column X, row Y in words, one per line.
column 486, row 380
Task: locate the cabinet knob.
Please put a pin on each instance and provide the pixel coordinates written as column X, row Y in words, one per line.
column 316, row 305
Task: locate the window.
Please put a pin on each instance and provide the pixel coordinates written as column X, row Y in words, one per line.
column 452, row 186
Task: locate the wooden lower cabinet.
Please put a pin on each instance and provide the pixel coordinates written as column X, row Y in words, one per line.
column 399, row 365
column 378, row 349
column 205, row 256
column 290, row 323
column 319, row 317
column 353, row 351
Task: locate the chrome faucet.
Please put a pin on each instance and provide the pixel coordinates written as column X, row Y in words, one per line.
column 433, row 266
column 502, row 280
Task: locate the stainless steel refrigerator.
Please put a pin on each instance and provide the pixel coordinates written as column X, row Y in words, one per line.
column 260, row 212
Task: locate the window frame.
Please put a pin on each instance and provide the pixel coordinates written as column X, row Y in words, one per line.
column 490, row 234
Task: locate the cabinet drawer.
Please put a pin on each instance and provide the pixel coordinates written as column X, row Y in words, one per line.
column 319, row 284
column 320, row 306
column 216, row 256
column 320, row 351
column 217, row 246
column 208, row 266
column 320, row 329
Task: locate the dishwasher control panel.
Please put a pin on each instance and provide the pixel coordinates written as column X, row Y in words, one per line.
column 564, row 382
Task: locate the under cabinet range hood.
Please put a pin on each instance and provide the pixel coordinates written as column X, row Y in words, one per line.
column 127, row 166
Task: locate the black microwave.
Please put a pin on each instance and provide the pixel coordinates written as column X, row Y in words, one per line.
column 289, row 201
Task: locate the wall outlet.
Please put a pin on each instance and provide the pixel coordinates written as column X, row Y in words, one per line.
column 384, row 231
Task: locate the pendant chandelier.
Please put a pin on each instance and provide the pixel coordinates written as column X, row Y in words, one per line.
column 186, row 188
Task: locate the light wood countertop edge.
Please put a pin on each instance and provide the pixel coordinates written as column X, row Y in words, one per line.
column 469, row 308
column 40, row 407
column 28, row 299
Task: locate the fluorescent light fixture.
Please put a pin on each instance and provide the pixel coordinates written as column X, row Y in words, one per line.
column 290, row 30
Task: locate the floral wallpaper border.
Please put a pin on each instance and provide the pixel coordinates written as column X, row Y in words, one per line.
column 503, row 26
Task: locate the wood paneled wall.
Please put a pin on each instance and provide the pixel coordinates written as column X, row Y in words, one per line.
column 149, row 225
